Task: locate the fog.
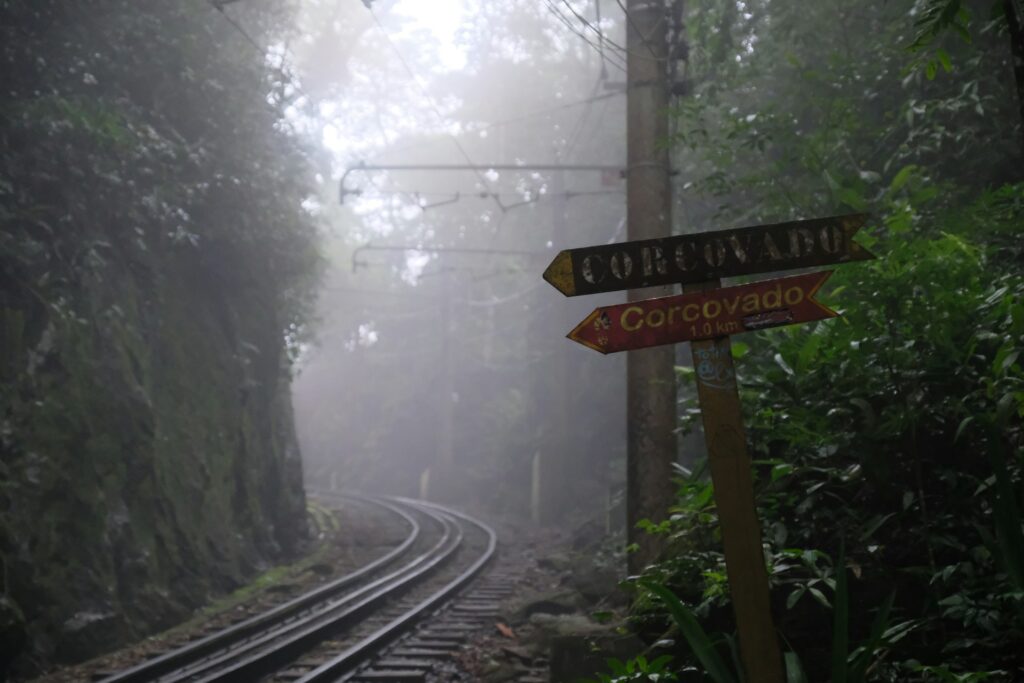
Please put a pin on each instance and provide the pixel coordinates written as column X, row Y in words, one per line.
column 256, row 249
column 439, row 364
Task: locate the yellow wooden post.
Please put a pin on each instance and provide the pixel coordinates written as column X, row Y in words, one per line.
column 737, row 515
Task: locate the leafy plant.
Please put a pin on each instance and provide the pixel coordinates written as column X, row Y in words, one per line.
column 873, row 428
column 701, row 645
column 639, row 669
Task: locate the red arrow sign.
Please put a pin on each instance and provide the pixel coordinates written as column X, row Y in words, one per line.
column 704, row 315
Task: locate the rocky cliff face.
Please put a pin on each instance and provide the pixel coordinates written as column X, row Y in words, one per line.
column 153, row 260
column 148, row 456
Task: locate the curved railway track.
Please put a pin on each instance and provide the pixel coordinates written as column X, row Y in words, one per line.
column 332, row 631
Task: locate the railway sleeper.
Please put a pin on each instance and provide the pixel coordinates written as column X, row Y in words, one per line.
column 396, row 675
column 426, row 653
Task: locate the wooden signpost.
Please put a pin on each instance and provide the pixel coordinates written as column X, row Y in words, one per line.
column 707, row 318
column 707, row 256
column 704, row 315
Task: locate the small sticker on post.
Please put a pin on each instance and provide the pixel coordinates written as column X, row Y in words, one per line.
column 767, row 319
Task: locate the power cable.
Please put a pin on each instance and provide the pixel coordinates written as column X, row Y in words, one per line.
column 617, row 62
column 579, row 123
column 640, row 33
column 497, row 301
column 601, row 37
column 219, row 6
column 363, row 167
column 569, row 194
column 600, row 116
column 621, row 50
column 430, row 101
column 374, row 292
column 510, row 121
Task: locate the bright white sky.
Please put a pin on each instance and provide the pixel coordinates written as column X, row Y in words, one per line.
column 442, row 18
column 404, row 23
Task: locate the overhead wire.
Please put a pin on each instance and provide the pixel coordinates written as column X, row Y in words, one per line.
column 621, row 50
column 497, row 301
column 601, row 78
column 568, row 194
column 577, row 129
column 601, row 37
column 507, row 122
column 618, row 62
column 219, row 7
column 238, row 27
column 459, row 196
column 643, row 38
column 430, row 101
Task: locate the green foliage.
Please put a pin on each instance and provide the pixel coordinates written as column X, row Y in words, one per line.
column 156, row 268
column 695, row 636
column 639, row 669
column 847, row 667
column 938, row 16
column 897, row 427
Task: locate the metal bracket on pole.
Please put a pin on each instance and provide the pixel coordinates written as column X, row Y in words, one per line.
column 343, row 191
column 452, row 200
column 355, row 252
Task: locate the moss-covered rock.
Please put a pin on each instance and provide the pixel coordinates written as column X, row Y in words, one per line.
column 154, row 262
column 143, row 477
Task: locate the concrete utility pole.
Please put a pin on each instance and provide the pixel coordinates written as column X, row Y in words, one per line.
column 446, row 391
column 551, row 471
column 651, row 389
column 558, row 490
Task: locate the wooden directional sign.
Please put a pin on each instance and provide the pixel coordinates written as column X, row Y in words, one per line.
column 704, row 315
column 708, row 318
column 689, row 259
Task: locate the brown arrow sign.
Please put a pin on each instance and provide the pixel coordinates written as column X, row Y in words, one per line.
column 687, row 259
column 704, row 315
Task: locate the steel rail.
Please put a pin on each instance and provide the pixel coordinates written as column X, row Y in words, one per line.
column 186, row 655
column 277, row 649
column 345, row 665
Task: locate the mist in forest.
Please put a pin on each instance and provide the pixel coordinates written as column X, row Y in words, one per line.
column 253, row 250
column 439, row 365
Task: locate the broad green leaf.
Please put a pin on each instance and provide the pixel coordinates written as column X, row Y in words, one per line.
column 794, row 669
column 795, row 596
column 858, row 671
column 820, row 597
column 901, row 178
column 691, row 629
column 964, row 423
column 781, row 362
column 875, row 524
column 851, row 197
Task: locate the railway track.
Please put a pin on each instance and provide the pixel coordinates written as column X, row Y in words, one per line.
column 429, row 653
column 331, row 632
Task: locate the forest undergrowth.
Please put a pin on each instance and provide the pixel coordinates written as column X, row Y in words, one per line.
column 886, row 443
